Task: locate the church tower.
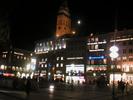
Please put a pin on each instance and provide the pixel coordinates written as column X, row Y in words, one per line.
column 63, row 25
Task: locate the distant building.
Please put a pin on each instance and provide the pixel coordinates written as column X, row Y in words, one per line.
column 72, row 58
column 17, row 62
column 97, row 57
column 61, row 59
column 124, row 63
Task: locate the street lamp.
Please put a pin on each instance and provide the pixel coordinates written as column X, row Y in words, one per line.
column 113, row 54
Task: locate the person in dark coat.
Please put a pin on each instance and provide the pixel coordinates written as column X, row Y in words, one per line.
column 28, row 87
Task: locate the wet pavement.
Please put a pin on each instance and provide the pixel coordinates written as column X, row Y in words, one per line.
column 75, row 93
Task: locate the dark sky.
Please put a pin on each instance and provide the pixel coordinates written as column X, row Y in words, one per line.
column 32, row 20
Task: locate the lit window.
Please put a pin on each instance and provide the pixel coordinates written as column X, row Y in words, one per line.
column 55, row 47
column 17, row 57
column 119, row 58
column 105, row 61
column 24, row 58
column 13, row 68
column 4, row 56
column 41, row 65
column 20, row 68
column 96, row 39
column 92, row 39
column 124, row 58
column 5, row 67
column 45, row 65
column 92, row 47
column 57, row 65
column 2, row 67
column 61, row 65
column 118, row 67
column 112, row 66
column 61, row 58
column 60, row 47
column 92, row 61
column 46, row 59
column 21, row 57
column 40, row 44
column 16, row 68
column 96, row 46
column 42, row 59
column 57, row 58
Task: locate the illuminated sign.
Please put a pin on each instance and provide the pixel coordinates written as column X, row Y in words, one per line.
column 96, row 57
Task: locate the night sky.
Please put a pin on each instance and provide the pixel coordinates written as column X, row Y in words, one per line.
column 32, row 20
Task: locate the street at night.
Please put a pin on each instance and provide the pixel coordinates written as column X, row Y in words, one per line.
column 77, row 93
column 66, row 50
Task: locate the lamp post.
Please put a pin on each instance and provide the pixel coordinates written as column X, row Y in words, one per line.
column 113, row 54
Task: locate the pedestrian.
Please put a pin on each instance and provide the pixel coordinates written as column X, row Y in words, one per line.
column 122, row 87
column 127, row 88
column 28, row 87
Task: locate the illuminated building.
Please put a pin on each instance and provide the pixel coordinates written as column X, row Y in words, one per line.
column 96, row 64
column 124, row 62
column 72, row 58
column 63, row 21
column 14, row 63
column 61, row 59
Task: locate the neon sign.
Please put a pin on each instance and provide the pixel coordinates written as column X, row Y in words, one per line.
column 96, row 57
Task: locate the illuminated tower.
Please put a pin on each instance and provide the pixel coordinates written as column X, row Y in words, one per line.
column 63, row 21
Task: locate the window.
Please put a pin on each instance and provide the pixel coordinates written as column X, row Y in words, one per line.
column 61, row 65
column 57, row 65
column 130, row 43
column 130, row 59
column 41, row 65
column 130, row 50
column 18, row 57
column 61, row 58
column 57, row 58
column 105, row 61
column 42, row 59
column 96, row 47
column 96, row 39
column 40, row 44
column 124, row 58
column 119, row 58
column 24, row 58
column 46, row 59
column 124, row 51
column 92, row 61
column 45, row 65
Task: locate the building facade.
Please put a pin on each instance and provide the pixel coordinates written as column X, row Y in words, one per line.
column 62, row 59
column 70, row 58
column 124, row 68
column 16, row 63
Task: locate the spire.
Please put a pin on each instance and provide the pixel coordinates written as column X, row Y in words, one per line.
column 63, row 20
column 64, row 8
